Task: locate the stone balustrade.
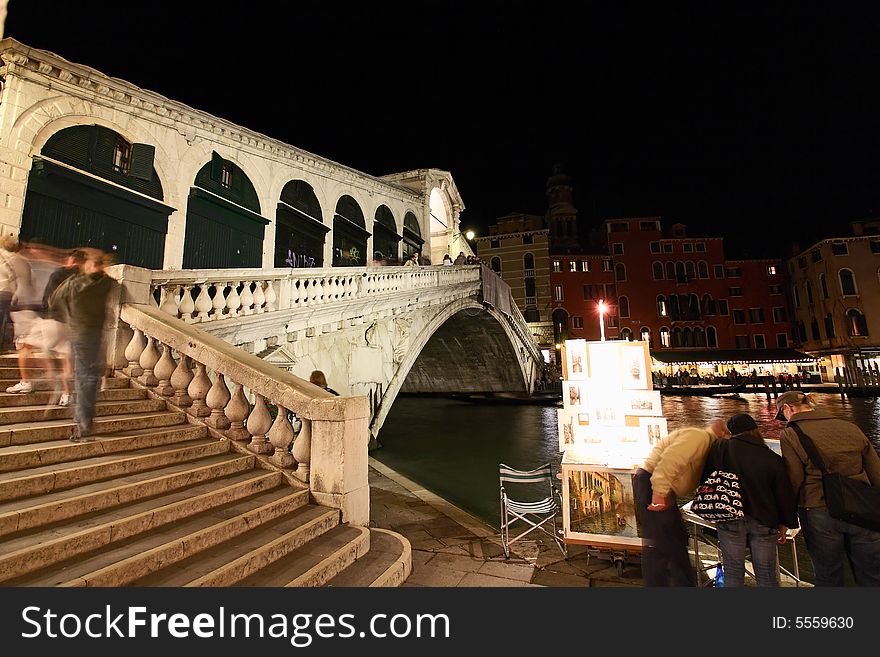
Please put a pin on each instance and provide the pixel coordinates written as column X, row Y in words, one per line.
column 210, row 295
column 320, row 438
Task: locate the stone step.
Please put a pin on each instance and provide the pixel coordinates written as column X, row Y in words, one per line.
column 317, row 562
column 47, row 397
column 31, row 434
column 24, row 514
column 177, row 444
column 47, row 547
column 23, row 414
column 42, row 384
column 387, row 564
column 244, row 555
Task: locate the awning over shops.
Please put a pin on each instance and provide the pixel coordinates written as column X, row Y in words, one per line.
column 730, row 356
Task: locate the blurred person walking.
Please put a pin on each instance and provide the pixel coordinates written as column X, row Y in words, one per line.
column 15, row 273
column 82, row 300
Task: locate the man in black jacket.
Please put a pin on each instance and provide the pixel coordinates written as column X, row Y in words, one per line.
column 768, row 500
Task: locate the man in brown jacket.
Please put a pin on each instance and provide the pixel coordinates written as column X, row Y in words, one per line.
column 672, row 469
column 846, row 450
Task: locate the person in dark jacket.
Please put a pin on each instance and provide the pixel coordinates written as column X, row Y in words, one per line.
column 845, row 449
column 768, row 504
column 82, row 301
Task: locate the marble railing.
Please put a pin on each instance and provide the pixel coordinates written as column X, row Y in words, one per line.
column 209, row 295
column 314, row 435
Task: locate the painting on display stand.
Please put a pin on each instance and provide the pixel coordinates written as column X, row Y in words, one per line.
column 574, row 395
column 635, row 364
column 576, row 364
column 599, row 505
column 605, row 364
column 643, row 402
column 655, row 427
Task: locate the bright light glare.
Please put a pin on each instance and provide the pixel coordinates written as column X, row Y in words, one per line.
column 602, row 307
column 469, row 234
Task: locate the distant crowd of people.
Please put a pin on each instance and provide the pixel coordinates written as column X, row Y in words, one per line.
column 55, row 302
column 417, row 259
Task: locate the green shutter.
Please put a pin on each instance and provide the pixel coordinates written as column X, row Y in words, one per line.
column 216, row 166
column 142, row 156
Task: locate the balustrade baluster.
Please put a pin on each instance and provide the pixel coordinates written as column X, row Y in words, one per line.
column 259, row 298
column 315, row 291
column 203, row 303
column 198, row 390
column 237, row 411
column 216, row 399
column 299, row 294
column 281, row 436
column 271, row 297
column 247, row 299
column 187, row 306
column 169, row 301
column 219, row 301
column 258, row 424
column 149, row 358
column 133, row 352
column 180, row 379
column 302, row 450
column 164, row 370
column 233, row 301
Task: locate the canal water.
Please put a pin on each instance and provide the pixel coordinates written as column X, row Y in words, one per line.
column 453, row 448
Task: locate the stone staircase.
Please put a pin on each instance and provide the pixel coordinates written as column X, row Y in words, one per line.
column 158, row 500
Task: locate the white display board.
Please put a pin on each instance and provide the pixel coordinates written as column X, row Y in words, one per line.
column 610, row 416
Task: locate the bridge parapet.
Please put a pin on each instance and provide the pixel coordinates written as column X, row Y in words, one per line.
column 212, row 295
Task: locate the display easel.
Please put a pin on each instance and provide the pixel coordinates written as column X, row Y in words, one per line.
column 610, row 420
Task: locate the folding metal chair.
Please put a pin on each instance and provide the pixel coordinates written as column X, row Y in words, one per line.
column 530, row 508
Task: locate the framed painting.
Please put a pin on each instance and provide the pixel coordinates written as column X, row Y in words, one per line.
column 574, row 395
column 642, row 402
column 576, row 364
column 599, row 506
column 655, row 428
column 635, row 362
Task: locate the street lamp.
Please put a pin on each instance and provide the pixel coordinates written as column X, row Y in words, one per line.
column 602, row 308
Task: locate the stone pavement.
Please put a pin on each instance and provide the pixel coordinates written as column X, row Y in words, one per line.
column 451, row 548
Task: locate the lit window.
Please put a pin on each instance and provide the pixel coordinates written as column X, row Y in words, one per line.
column 557, row 265
column 226, row 175
column 585, row 265
column 122, row 156
column 557, row 293
column 572, row 265
column 577, row 322
column 771, row 270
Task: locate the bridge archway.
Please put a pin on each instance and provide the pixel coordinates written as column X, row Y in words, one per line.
column 435, row 360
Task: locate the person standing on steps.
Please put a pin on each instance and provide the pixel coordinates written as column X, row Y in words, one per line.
column 82, row 300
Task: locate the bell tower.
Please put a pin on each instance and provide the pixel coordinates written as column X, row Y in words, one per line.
column 561, row 213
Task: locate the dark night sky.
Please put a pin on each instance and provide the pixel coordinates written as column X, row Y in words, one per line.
column 753, row 121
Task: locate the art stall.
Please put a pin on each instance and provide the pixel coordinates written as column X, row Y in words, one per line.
column 610, row 420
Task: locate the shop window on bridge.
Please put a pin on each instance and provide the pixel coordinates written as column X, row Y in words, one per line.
column 858, row 326
column 412, row 236
column 224, row 228
column 386, row 241
column 496, row 266
column 349, row 234
column 108, row 196
column 300, row 231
